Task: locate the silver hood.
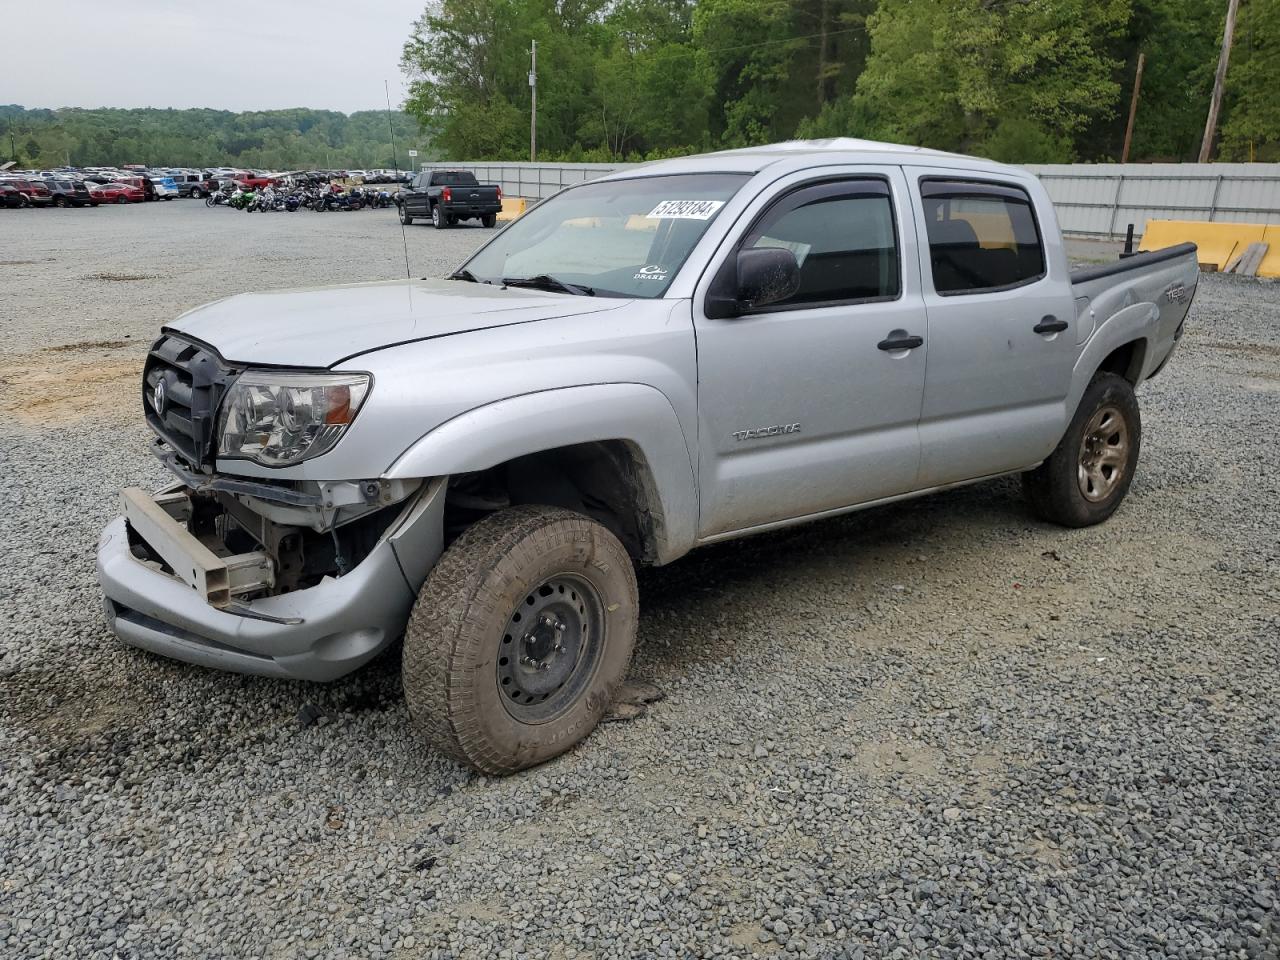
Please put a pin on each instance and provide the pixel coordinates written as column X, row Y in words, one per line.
column 323, row 326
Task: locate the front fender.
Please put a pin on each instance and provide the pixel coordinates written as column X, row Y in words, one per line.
column 635, row 413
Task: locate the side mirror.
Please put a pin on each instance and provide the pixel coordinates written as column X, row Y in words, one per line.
column 766, row 275
column 758, row 277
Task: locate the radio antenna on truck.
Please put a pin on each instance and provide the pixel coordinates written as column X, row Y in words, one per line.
column 395, row 162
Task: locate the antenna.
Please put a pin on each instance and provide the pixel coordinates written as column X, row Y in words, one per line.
column 386, row 86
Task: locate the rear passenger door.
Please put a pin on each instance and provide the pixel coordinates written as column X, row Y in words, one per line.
column 810, row 404
column 416, row 200
column 1001, row 319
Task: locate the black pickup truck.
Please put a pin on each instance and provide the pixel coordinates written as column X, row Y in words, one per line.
column 447, row 196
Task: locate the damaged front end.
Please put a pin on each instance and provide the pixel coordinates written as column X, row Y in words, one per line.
column 238, row 580
column 272, row 537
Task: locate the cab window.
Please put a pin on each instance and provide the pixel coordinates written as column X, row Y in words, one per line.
column 982, row 236
column 844, row 239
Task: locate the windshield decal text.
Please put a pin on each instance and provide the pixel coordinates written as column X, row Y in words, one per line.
column 685, row 210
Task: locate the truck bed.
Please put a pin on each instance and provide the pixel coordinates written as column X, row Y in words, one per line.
column 1160, row 284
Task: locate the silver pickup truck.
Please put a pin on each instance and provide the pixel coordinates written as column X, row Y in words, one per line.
column 691, row 351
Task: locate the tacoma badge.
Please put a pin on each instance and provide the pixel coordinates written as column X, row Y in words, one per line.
column 759, row 433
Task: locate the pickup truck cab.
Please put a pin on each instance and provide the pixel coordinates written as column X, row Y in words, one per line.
column 446, row 197
column 691, row 351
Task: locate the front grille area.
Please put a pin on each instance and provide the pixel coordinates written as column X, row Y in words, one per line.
column 194, row 381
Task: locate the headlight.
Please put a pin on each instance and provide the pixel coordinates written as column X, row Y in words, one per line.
column 282, row 418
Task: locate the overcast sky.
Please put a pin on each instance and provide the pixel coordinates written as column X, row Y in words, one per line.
column 327, row 54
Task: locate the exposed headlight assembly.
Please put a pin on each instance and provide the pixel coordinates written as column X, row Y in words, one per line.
column 278, row 419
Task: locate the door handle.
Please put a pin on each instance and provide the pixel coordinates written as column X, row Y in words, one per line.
column 901, row 343
column 1050, row 324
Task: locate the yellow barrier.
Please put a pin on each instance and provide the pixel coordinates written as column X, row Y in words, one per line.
column 1217, row 243
column 512, row 208
column 1270, row 266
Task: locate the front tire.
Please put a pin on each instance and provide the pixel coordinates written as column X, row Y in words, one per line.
column 405, row 218
column 519, row 638
column 1088, row 474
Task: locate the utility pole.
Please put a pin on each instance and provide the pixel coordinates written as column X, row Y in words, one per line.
column 1215, row 102
column 1133, row 108
column 533, row 108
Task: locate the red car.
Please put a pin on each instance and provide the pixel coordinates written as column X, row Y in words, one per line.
column 116, row 193
column 37, row 193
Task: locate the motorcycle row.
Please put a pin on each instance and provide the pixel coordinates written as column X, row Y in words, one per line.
column 317, row 199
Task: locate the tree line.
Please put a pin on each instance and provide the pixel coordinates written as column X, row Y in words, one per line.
column 267, row 139
column 1026, row 81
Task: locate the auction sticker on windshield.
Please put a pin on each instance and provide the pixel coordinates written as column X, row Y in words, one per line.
column 685, row 210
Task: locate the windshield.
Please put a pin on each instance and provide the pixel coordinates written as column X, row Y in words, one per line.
column 622, row 238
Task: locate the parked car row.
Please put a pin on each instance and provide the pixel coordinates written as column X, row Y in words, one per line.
column 91, row 186
column 53, row 192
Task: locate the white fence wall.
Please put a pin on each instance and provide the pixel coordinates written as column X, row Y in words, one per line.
column 1102, row 199
column 1097, row 200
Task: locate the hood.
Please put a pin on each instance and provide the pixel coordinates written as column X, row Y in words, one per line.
column 321, row 326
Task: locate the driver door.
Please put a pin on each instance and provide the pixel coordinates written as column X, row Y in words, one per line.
column 812, row 404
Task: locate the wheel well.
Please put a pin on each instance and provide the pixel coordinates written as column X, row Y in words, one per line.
column 607, row 480
column 1126, row 361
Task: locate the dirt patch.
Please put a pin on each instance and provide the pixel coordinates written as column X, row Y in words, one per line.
column 747, row 937
column 46, row 390
column 1249, row 349
column 67, row 709
column 894, row 757
column 89, row 345
column 121, row 277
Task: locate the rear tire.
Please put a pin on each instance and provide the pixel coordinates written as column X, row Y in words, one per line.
column 439, row 219
column 519, row 638
column 1088, row 474
column 490, row 220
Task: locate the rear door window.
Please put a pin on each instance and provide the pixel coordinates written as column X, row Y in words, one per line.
column 982, row 236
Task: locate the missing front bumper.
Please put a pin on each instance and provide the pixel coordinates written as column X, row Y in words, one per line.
column 318, row 633
column 161, row 522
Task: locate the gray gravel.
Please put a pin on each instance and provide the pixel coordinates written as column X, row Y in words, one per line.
column 940, row 729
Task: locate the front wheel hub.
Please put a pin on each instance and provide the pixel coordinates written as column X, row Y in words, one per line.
column 549, row 648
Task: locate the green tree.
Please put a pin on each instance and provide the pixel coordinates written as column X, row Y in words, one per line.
column 1251, row 130
column 986, row 77
column 275, row 139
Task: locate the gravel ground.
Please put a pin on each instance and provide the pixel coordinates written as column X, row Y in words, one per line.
column 940, row 729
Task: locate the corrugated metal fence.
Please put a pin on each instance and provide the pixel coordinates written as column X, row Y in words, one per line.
column 1102, row 199
column 1097, row 200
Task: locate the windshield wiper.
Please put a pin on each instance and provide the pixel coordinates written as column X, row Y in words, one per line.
column 545, row 281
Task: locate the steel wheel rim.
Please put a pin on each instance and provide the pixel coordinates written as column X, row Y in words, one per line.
column 1104, row 454
column 550, row 648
